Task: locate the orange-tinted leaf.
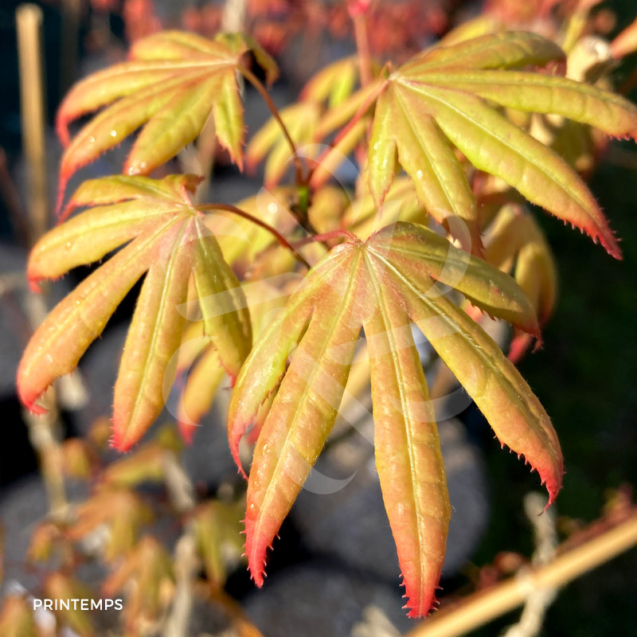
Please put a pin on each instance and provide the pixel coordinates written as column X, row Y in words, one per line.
column 153, row 339
column 382, row 285
column 401, row 204
column 300, row 120
column 305, row 407
column 207, row 373
column 507, row 50
column 223, row 305
column 172, row 83
column 334, row 83
column 170, row 242
column 145, row 464
column 80, row 459
column 148, row 567
column 46, row 536
column 516, row 245
column 443, row 92
column 408, row 455
column 218, row 531
column 199, row 392
column 429, row 160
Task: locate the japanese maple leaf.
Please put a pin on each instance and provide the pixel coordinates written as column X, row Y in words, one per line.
column 171, row 85
column 384, row 285
column 166, row 239
column 448, row 96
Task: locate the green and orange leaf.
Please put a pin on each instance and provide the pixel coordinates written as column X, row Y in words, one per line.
column 167, row 239
column 445, row 97
column 200, row 360
column 334, row 83
column 326, row 104
column 145, row 464
column 382, row 286
column 218, row 531
column 169, row 88
column 300, row 120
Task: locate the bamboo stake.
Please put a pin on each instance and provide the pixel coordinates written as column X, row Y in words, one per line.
column 483, row 606
column 29, row 25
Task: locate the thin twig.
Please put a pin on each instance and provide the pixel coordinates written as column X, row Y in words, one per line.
column 266, row 226
column 182, row 496
column 538, row 602
column 296, row 158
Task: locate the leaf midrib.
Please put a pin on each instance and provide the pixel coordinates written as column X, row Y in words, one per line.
column 405, row 410
column 423, row 145
column 157, row 327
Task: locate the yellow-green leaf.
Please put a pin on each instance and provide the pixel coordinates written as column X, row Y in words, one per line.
column 170, row 86
column 449, row 91
column 382, row 285
column 169, row 240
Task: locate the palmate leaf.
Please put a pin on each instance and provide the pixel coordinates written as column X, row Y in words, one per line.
column 383, row 285
column 445, row 97
column 170, row 242
column 171, row 85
